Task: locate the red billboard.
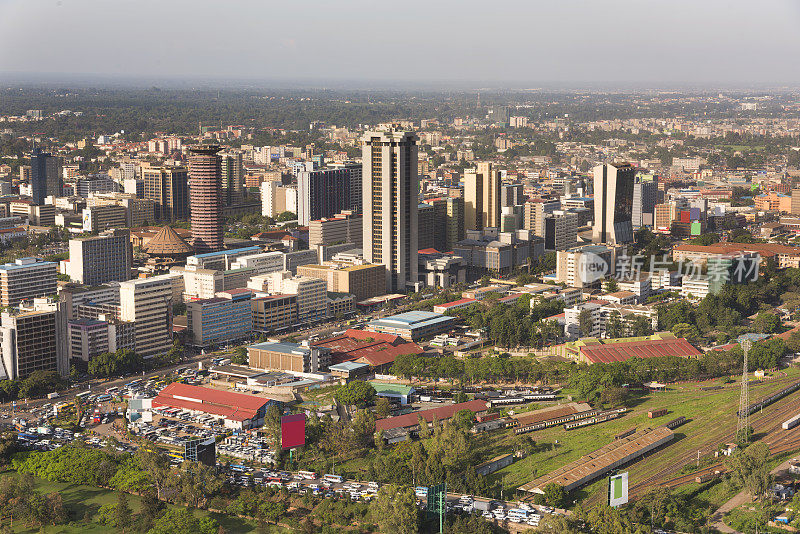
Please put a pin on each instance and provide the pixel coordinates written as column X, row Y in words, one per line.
column 293, row 431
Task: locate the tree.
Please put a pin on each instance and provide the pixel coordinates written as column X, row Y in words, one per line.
column 688, row 331
column 641, row 326
column 356, row 393
column 586, row 323
column 395, row 510
column 123, row 511
column 766, row 323
column 612, row 286
column 749, row 469
column 239, row 356
column 555, row 495
column 182, row 521
column 615, row 328
column 383, row 407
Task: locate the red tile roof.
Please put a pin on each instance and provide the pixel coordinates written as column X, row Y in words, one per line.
column 441, row 413
column 764, row 249
column 619, row 352
column 355, row 345
column 234, row 406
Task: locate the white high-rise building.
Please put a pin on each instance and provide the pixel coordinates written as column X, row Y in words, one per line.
column 390, row 193
column 97, row 260
column 147, row 302
column 269, row 191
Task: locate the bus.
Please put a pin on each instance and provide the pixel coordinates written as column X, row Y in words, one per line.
column 333, row 479
column 112, row 390
column 308, row 475
column 238, row 468
column 103, row 398
column 83, row 394
column 133, row 383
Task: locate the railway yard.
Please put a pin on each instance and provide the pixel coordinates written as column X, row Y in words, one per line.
column 709, row 425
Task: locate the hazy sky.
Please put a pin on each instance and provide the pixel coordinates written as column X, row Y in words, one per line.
column 526, row 41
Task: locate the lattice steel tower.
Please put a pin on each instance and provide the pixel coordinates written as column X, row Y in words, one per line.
column 743, row 422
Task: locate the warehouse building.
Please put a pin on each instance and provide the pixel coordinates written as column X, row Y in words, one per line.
column 602, row 461
column 237, row 410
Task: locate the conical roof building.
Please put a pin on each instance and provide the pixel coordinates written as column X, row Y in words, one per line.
column 168, row 244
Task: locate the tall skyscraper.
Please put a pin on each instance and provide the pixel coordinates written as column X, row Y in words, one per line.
column 147, row 302
column 322, row 194
column 45, row 176
column 482, row 197
column 390, row 192
column 645, row 195
column 168, row 187
column 356, row 171
column 232, row 176
column 205, row 198
column 613, row 203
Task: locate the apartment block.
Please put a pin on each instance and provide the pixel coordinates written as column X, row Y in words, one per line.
column 147, row 302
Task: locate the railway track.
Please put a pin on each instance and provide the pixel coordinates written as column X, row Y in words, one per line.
column 766, row 421
column 778, row 440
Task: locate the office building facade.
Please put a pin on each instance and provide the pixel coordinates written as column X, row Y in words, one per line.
column 147, row 302
column 482, row 201
column 168, row 187
column 97, row 260
column 390, row 192
column 45, row 176
column 613, row 203
column 322, row 194
column 205, row 198
column 27, row 278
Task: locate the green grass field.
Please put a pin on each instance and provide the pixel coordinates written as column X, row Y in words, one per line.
column 83, row 501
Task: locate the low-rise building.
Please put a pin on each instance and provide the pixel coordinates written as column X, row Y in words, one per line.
column 413, row 325
column 292, row 357
column 274, row 312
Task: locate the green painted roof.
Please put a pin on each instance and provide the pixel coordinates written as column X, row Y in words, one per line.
column 392, row 389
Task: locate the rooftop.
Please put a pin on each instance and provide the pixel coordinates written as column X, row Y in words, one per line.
column 620, row 352
column 413, row 319
column 285, row 348
column 441, row 413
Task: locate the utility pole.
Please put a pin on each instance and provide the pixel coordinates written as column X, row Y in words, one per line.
column 743, row 422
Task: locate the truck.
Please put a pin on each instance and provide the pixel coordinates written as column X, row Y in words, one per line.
column 53, row 395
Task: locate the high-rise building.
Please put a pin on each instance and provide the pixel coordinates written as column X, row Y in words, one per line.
column 45, row 176
column 448, row 223
column 322, row 194
column 344, row 227
column 534, row 213
column 560, row 230
column 356, row 172
column 613, row 203
column 426, row 226
column 390, row 189
column 33, row 338
column 205, row 198
column 147, row 302
column 362, row 281
column 27, row 278
column 168, row 187
column 482, row 197
column 100, row 218
column 226, row 317
column 232, row 176
column 511, row 195
column 97, row 260
column 584, row 266
column 645, row 195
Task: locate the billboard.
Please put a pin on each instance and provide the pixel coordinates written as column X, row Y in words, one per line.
column 293, row 431
column 618, row 489
column 201, row 450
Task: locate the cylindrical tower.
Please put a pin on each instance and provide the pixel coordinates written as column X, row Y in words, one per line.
column 205, row 198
